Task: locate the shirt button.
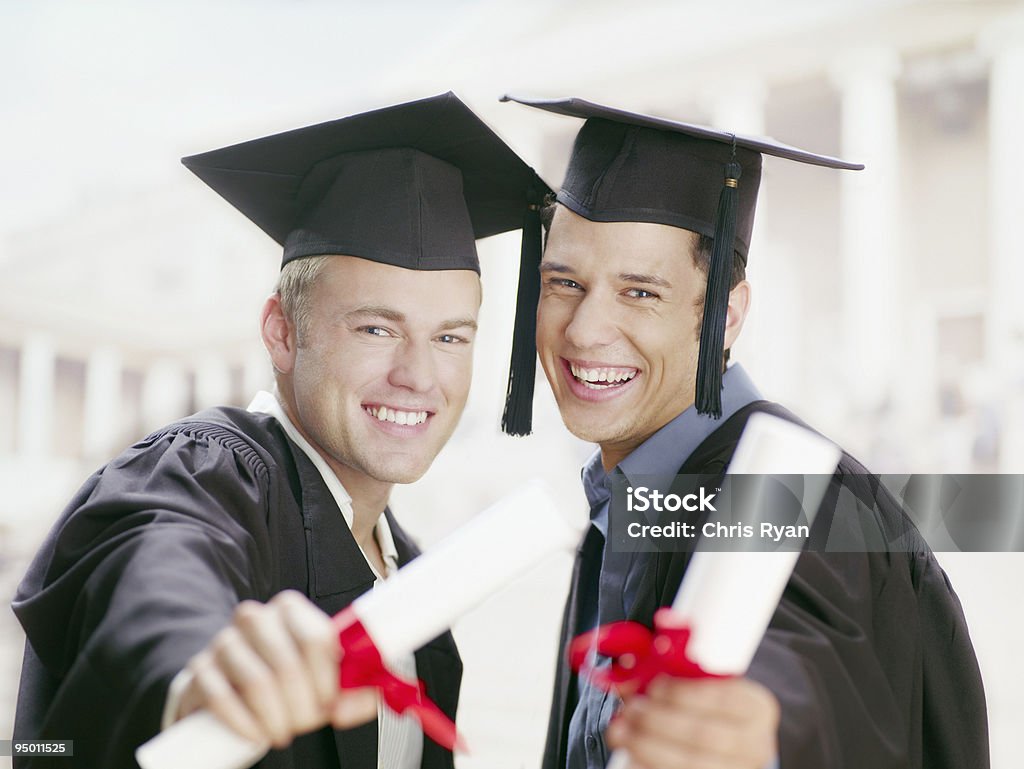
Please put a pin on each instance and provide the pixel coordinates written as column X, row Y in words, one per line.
column 591, row 742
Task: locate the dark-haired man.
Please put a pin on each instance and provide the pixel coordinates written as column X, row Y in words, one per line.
column 867, row 661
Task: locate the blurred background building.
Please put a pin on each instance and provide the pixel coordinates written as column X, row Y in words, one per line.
column 887, row 305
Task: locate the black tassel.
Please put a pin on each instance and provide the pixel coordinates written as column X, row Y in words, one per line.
column 518, row 416
column 716, row 299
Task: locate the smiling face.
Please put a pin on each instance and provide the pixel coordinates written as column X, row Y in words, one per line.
column 618, row 326
column 382, row 373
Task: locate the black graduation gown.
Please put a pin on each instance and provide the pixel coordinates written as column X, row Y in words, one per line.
column 868, row 653
column 148, row 562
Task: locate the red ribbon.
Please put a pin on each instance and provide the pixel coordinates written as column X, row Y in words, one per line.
column 362, row 666
column 638, row 654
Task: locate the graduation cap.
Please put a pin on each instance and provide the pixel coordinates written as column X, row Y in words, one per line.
column 628, row 167
column 412, row 185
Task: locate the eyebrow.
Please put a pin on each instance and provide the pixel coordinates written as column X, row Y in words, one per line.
column 377, row 311
column 449, row 325
column 654, row 280
column 625, row 277
column 393, row 315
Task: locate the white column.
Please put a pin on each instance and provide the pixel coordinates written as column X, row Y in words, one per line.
column 918, row 405
column 213, row 382
column 1003, row 43
column 36, row 396
column 8, row 400
column 164, row 394
column 101, row 423
column 1005, row 48
column 869, row 220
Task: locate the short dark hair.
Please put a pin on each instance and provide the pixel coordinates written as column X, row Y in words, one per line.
column 547, row 213
column 701, row 256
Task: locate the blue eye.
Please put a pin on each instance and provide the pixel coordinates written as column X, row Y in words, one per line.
column 451, row 339
column 374, row 330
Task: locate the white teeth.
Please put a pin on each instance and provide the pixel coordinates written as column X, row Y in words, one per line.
column 591, row 376
column 384, row 414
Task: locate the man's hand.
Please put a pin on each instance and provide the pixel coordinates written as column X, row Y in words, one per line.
column 273, row 673
column 705, row 724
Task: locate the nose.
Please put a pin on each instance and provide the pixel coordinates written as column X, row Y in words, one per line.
column 413, row 367
column 592, row 323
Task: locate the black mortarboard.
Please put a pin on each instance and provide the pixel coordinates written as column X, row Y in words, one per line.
column 411, row 185
column 638, row 168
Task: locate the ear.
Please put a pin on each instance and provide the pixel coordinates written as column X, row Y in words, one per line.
column 739, row 306
column 278, row 335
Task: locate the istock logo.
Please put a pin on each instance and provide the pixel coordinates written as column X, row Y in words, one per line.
column 641, row 499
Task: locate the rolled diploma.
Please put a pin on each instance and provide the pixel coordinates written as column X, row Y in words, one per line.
column 728, row 598
column 417, row 604
column 423, row 599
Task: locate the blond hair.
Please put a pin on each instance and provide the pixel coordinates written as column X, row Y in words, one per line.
column 294, row 286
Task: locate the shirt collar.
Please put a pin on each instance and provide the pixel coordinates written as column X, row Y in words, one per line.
column 386, row 542
column 665, row 451
column 267, row 403
column 595, row 481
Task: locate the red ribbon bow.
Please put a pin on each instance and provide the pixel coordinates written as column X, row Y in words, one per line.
column 638, row 655
column 363, row 666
